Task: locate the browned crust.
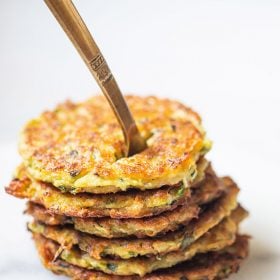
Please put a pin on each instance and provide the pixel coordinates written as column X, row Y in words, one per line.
column 130, row 204
column 86, row 205
column 77, row 144
column 136, row 204
column 151, row 226
column 114, row 228
column 42, row 215
column 98, row 247
column 210, row 266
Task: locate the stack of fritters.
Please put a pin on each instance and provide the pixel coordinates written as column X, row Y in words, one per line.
column 160, row 214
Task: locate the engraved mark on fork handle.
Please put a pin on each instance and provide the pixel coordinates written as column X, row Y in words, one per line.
column 101, row 69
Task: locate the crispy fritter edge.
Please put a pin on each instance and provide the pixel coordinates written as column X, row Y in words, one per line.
column 214, row 265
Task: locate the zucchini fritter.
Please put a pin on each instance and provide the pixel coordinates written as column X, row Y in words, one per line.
column 210, row 266
column 211, row 188
column 98, row 247
column 80, row 147
column 114, row 228
column 129, row 204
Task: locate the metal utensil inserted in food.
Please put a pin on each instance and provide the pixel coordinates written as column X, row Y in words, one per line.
column 75, row 28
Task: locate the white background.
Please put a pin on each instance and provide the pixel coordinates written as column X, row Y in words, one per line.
column 220, row 57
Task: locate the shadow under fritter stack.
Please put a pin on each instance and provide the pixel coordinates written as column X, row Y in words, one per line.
column 160, row 214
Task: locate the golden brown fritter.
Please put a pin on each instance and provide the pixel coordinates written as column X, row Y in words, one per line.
column 80, row 147
column 211, row 188
column 129, row 204
column 210, row 266
column 114, row 228
column 216, row 239
column 98, row 247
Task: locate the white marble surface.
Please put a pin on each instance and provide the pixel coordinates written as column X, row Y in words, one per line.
column 221, row 57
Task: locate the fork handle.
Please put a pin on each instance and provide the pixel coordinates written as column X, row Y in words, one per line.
column 75, row 28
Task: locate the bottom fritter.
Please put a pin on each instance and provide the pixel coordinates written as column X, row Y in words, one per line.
column 210, row 266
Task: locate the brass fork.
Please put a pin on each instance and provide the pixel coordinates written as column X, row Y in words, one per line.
column 75, row 28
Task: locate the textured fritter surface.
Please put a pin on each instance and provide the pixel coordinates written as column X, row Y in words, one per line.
column 79, row 147
column 129, row 204
column 219, row 237
column 211, row 188
column 210, row 266
column 98, row 247
column 114, row 228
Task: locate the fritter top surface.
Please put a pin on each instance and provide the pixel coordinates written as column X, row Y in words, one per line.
column 80, row 147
